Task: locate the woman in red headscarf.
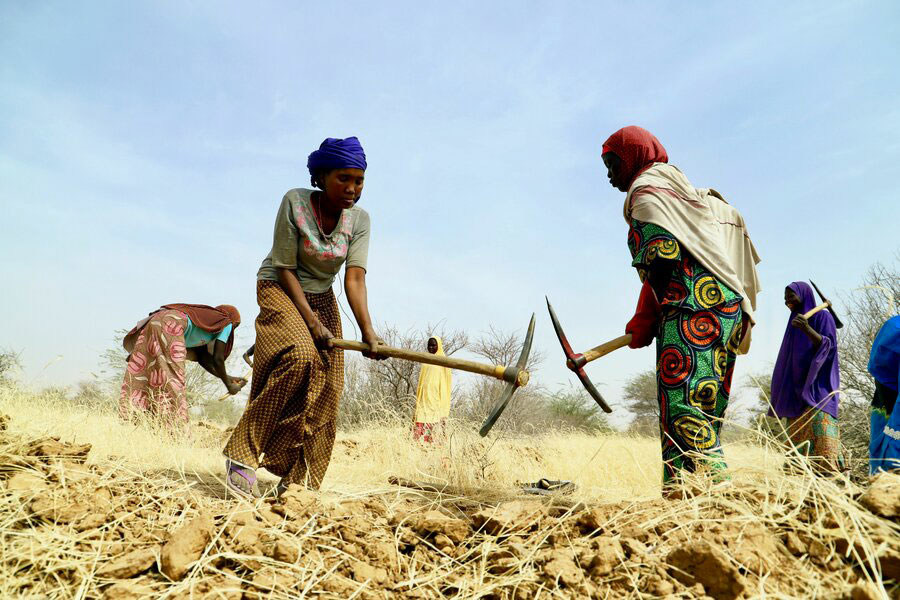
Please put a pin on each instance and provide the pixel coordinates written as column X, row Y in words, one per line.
column 158, row 347
column 697, row 267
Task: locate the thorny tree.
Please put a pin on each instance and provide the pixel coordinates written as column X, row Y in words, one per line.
column 640, row 400
column 388, row 387
column 503, row 348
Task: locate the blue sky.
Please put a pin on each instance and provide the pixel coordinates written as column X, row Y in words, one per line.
column 145, row 147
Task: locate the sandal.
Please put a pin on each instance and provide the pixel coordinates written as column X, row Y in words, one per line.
column 548, row 486
column 280, row 488
column 241, row 480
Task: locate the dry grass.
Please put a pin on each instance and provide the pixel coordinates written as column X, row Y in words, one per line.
column 605, row 467
column 766, row 534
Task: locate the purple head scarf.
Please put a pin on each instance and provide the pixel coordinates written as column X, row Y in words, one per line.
column 804, row 376
column 337, row 154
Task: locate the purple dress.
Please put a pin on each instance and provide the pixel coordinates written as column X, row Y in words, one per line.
column 804, row 376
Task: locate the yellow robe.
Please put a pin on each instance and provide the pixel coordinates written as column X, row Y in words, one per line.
column 433, row 392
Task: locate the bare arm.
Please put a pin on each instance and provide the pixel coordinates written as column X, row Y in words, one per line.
column 801, row 323
column 291, row 286
column 214, row 364
column 357, row 296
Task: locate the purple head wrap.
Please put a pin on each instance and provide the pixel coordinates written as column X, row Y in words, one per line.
column 805, row 376
column 337, row 154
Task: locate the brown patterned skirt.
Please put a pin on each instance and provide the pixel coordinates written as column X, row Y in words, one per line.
column 290, row 421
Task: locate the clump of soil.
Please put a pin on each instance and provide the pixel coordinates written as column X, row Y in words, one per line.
column 108, row 531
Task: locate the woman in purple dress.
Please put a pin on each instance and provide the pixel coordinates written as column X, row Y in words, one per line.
column 806, row 380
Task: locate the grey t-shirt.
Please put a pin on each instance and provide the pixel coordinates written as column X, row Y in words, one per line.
column 300, row 244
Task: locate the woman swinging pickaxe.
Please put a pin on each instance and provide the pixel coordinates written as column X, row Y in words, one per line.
column 576, row 362
column 515, row 376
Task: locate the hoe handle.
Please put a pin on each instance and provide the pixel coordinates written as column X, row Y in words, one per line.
column 822, row 306
column 604, row 349
column 510, row 374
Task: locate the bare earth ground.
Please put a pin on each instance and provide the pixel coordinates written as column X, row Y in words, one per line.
column 117, row 511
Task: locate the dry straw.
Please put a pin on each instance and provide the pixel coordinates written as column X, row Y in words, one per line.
column 113, row 526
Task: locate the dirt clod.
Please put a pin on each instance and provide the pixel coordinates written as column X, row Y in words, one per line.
column 53, row 448
column 128, row 565
column 185, row 546
column 794, row 544
column 296, row 502
column 562, row 568
column 285, row 551
column 510, row 516
column 128, row 590
column 272, row 579
column 363, row 572
column 437, row 523
column 700, row 562
column 55, row 509
column 607, row 557
column 883, row 496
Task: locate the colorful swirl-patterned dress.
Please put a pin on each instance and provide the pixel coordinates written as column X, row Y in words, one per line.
column 698, row 335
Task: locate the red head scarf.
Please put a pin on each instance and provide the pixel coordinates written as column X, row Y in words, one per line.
column 232, row 312
column 638, row 149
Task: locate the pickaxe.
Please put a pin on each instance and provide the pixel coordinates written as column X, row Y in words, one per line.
column 576, row 362
column 826, row 303
column 515, row 376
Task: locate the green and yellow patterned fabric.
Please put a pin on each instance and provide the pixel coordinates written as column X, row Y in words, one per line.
column 698, row 335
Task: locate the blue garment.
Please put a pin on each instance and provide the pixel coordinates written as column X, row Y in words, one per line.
column 885, row 357
column 337, row 154
column 194, row 336
column 884, row 443
column 884, row 422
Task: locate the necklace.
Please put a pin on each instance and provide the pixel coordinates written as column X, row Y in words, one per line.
column 319, row 214
column 320, row 219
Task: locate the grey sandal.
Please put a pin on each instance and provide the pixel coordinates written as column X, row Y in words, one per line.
column 241, row 480
column 546, row 487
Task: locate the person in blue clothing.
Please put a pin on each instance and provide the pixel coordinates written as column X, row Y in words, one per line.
column 884, row 366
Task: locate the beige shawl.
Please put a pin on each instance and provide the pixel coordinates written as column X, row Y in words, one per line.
column 709, row 228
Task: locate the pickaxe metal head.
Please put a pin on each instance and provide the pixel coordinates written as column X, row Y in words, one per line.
column 511, row 386
column 575, row 362
column 837, row 321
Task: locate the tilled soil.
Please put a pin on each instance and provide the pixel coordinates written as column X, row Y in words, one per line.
column 106, row 530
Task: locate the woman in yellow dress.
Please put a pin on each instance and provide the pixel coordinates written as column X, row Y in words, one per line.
column 432, row 397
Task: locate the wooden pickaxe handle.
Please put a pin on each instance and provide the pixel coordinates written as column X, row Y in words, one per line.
column 510, row 374
column 822, row 306
column 604, row 349
column 601, row 350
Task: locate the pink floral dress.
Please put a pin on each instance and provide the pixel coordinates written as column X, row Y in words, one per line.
column 154, row 378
